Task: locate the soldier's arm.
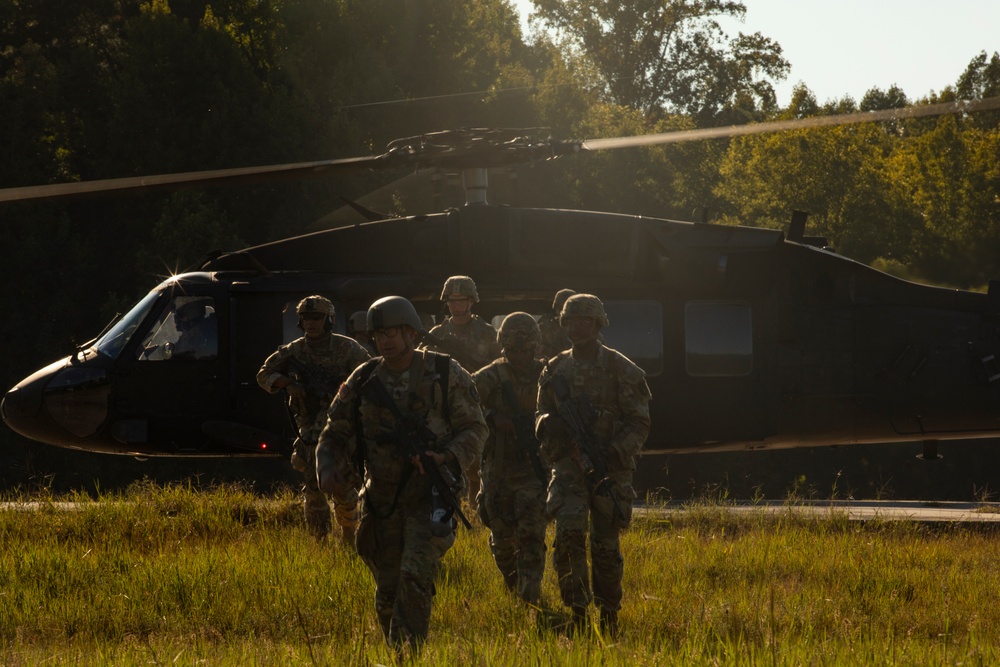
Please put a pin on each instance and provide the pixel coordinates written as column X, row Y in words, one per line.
column 487, row 380
column 335, row 451
column 271, row 377
column 550, row 429
column 468, row 426
column 633, row 402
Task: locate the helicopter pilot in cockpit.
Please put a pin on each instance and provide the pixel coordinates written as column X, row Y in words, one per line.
column 198, row 331
column 187, row 330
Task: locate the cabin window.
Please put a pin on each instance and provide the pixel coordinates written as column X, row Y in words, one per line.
column 718, row 338
column 636, row 330
column 186, row 331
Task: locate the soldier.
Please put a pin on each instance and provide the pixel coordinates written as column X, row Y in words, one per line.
column 512, row 502
column 405, row 401
column 554, row 338
column 310, row 369
column 593, row 417
column 469, row 339
column 357, row 328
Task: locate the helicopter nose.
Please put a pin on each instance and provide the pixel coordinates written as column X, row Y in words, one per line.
column 58, row 404
column 22, row 405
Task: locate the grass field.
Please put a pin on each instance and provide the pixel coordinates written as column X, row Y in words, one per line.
column 172, row 575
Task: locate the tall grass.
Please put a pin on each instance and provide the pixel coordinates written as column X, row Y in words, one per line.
column 171, row 575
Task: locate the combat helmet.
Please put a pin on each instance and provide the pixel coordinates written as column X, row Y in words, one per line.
column 315, row 304
column 392, row 311
column 358, row 322
column 518, row 330
column 462, row 286
column 584, row 305
column 560, row 299
column 319, row 305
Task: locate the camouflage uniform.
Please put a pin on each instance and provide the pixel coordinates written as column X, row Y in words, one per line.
column 617, row 389
column 356, row 329
column 554, row 338
column 332, row 359
column 394, row 536
column 473, row 345
column 512, row 503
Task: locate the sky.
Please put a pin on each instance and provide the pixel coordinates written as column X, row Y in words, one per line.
column 846, row 47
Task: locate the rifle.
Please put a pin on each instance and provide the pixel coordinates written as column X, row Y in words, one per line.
column 318, row 385
column 580, row 415
column 524, row 430
column 414, row 436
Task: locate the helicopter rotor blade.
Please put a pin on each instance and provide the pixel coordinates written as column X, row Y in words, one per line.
column 462, row 149
column 940, row 109
column 192, row 179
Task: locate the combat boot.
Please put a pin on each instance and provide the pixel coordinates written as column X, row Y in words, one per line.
column 580, row 623
column 609, row 622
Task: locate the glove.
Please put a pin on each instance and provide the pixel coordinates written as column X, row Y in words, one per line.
column 295, row 390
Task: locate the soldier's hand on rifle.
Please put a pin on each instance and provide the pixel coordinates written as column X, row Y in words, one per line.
column 503, row 423
column 295, row 390
column 437, row 457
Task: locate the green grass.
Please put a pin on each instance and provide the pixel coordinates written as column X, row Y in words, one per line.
column 172, row 575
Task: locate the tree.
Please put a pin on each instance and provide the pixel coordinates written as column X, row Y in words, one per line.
column 838, row 175
column 669, row 56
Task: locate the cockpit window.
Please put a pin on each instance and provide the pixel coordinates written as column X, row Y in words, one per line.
column 187, row 330
column 111, row 343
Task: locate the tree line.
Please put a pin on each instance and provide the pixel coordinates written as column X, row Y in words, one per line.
column 114, row 88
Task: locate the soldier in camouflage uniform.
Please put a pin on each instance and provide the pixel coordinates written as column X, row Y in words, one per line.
column 616, row 391
column 512, row 502
column 357, row 328
column 397, row 538
column 469, row 339
column 554, row 338
column 322, row 360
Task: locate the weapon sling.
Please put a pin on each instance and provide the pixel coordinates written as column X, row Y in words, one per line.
column 411, row 438
column 523, row 435
column 580, row 416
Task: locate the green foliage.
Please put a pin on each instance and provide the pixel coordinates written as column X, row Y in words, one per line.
column 670, row 55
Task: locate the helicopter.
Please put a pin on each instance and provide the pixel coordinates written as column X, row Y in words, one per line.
column 750, row 338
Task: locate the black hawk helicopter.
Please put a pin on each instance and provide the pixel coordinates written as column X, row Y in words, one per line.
column 751, row 338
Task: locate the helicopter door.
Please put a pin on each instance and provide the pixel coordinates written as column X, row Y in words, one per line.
column 720, row 389
column 175, row 380
column 263, row 321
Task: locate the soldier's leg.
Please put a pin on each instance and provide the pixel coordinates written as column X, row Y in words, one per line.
column 474, row 481
column 496, row 510
column 605, row 552
column 317, row 508
column 569, row 550
column 418, row 567
column 345, row 511
column 531, row 524
column 503, row 544
column 380, row 547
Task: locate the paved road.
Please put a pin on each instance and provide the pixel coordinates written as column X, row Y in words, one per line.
column 866, row 510
column 855, row 510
